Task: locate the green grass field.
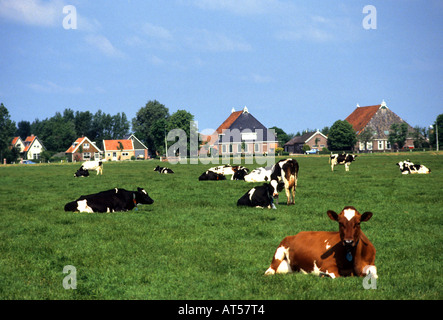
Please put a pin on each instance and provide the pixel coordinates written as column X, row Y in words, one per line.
column 194, row 243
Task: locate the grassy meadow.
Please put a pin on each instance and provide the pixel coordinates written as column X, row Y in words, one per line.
column 194, row 243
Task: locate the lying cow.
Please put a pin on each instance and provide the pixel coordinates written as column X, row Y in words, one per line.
column 259, row 175
column 334, row 254
column 407, row 167
column 93, row 165
column 110, row 201
column 285, row 171
column 81, row 173
column 259, row 197
column 344, row 158
column 163, row 170
column 227, row 169
column 210, row 175
column 239, row 173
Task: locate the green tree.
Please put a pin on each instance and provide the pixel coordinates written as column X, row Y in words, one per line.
column 438, row 125
column 23, row 129
column 149, row 125
column 7, row 131
column 341, row 136
column 398, row 134
column 182, row 119
column 282, row 136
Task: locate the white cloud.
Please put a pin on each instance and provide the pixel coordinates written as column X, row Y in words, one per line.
column 103, row 45
column 51, row 87
column 156, row 31
column 205, row 40
column 33, row 12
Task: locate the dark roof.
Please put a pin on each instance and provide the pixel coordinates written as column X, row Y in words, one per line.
column 300, row 139
column 244, row 122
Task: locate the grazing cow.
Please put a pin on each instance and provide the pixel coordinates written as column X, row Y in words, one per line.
column 93, row 165
column 334, row 254
column 239, row 173
column 110, row 201
column 345, row 159
column 259, row 197
column 407, row 167
column 81, row 173
column 210, row 175
column 163, row 170
column 286, row 171
column 259, row 175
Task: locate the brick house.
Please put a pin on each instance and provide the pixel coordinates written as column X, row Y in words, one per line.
column 240, row 133
column 378, row 119
column 83, row 149
column 315, row 140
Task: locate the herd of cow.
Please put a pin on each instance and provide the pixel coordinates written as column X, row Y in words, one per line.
column 333, row 254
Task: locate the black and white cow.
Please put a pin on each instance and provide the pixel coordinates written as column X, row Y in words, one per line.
column 93, row 165
column 259, row 197
column 81, row 173
column 110, row 201
column 407, row 167
column 226, row 169
column 285, row 171
column 211, row 175
column 163, row 170
column 344, row 158
column 239, row 173
column 259, row 175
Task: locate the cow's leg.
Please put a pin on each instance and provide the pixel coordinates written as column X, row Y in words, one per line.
column 280, row 262
column 347, row 166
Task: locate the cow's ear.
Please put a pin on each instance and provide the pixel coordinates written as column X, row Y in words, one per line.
column 366, row 216
column 333, row 215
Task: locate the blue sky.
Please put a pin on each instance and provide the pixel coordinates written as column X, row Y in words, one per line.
column 294, row 64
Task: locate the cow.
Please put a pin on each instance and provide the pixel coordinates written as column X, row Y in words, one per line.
column 344, row 158
column 407, row 167
column 163, row 170
column 210, row 175
column 93, row 165
column 239, row 173
column 259, row 175
column 259, row 197
column 227, row 169
column 347, row 252
column 81, row 173
column 287, row 172
column 110, row 201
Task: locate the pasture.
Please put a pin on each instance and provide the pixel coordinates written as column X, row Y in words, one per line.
column 194, row 243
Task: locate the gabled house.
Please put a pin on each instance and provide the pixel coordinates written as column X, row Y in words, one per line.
column 140, row 150
column 241, row 132
column 83, row 149
column 30, row 149
column 116, row 150
column 315, row 140
column 376, row 121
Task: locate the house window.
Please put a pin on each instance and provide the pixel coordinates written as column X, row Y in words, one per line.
column 246, row 148
column 224, row 148
column 256, row 147
column 388, row 145
column 380, row 145
column 85, row 145
column 239, row 148
column 86, row 155
column 125, row 154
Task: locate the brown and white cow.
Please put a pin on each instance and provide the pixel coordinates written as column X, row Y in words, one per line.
column 285, row 171
column 334, row 254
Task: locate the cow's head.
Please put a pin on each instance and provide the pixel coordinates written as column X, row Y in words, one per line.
column 141, row 196
column 277, row 187
column 157, row 168
column 349, row 224
column 81, row 173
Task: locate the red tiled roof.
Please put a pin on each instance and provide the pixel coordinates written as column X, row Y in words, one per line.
column 361, row 116
column 74, row 145
column 14, row 141
column 28, row 142
column 115, row 145
column 229, row 121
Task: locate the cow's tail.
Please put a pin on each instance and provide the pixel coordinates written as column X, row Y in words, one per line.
column 71, row 206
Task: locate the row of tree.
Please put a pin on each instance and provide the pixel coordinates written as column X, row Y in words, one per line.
column 153, row 121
